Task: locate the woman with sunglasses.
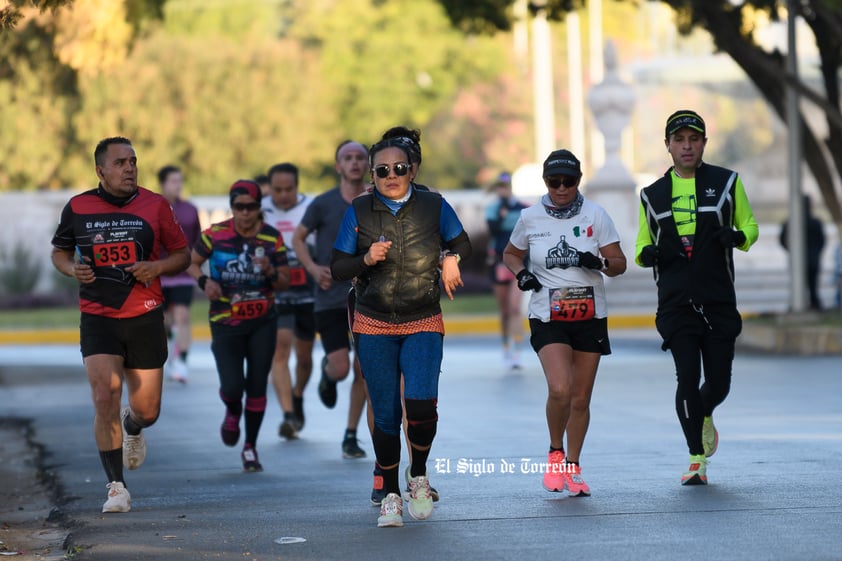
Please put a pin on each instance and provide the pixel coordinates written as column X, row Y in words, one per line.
column 247, row 262
column 391, row 241
column 571, row 243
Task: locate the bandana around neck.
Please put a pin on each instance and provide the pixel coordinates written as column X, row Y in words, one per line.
column 563, row 212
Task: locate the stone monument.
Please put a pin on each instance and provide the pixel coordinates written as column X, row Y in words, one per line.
column 612, row 185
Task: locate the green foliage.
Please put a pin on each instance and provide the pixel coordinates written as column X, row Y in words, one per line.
column 19, row 270
column 218, row 92
column 491, row 16
column 12, row 13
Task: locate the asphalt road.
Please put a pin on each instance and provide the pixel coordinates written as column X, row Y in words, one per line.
column 773, row 490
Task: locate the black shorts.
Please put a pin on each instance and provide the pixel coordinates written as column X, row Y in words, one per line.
column 590, row 336
column 178, row 295
column 141, row 340
column 333, row 329
column 299, row 318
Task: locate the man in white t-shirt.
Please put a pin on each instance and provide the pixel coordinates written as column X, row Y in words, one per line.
column 283, row 209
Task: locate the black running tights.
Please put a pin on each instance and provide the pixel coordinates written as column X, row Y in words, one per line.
column 691, row 352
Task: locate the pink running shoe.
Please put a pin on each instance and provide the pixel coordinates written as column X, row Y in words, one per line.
column 576, row 486
column 554, row 478
column 230, row 429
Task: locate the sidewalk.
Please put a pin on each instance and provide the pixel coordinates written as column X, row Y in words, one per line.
column 453, row 324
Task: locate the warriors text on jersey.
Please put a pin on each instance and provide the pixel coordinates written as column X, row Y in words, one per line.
column 113, row 238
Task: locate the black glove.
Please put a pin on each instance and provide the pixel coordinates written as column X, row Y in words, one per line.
column 728, row 237
column 649, row 256
column 527, row 281
column 589, row 261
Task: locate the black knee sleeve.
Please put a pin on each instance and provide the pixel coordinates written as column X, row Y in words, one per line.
column 422, row 420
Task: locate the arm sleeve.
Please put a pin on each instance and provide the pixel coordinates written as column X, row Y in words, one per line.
column 644, row 238
column 346, row 266
column 744, row 217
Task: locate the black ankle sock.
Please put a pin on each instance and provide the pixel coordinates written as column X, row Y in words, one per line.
column 349, row 433
column 131, row 426
column 183, row 355
column 556, row 449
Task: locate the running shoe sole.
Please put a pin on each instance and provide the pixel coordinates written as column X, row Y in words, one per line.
column 695, row 479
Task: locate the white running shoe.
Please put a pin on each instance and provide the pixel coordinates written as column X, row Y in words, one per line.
column 420, row 502
column 179, row 371
column 391, row 512
column 134, row 447
column 119, row 499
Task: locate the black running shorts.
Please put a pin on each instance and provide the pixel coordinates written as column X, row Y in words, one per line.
column 590, row 336
column 141, row 340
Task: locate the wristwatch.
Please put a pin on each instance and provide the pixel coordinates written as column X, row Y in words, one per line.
column 454, row 254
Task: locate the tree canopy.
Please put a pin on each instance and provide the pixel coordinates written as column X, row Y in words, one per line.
column 732, row 26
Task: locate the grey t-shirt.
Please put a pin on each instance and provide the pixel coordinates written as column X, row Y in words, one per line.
column 324, row 216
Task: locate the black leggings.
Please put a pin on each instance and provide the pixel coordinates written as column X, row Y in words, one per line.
column 691, row 351
column 243, row 358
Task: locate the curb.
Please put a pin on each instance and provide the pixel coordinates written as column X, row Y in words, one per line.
column 456, row 325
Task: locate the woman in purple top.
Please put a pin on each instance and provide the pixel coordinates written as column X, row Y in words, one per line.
column 178, row 289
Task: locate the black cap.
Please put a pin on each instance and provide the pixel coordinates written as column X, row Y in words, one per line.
column 684, row 118
column 562, row 162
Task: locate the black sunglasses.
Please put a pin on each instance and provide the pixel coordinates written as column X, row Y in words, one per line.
column 251, row 207
column 556, row 182
column 382, row 171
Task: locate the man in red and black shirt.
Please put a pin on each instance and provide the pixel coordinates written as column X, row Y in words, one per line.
column 109, row 239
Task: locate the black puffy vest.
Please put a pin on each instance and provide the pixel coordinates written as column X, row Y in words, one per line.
column 406, row 284
column 708, row 276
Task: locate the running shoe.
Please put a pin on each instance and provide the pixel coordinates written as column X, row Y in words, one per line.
column 179, row 371
column 351, row 448
column 230, row 430
column 327, row 388
column 391, row 512
column 554, row 478
column 287, row 427
column 134, row 446
column 710, row 437
column 118, row 499
column 298, row 411
column 378, row 492
column 696, row 474
column 420, row 503
column 250, row 462
column 408, row 475
column 576, row 486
